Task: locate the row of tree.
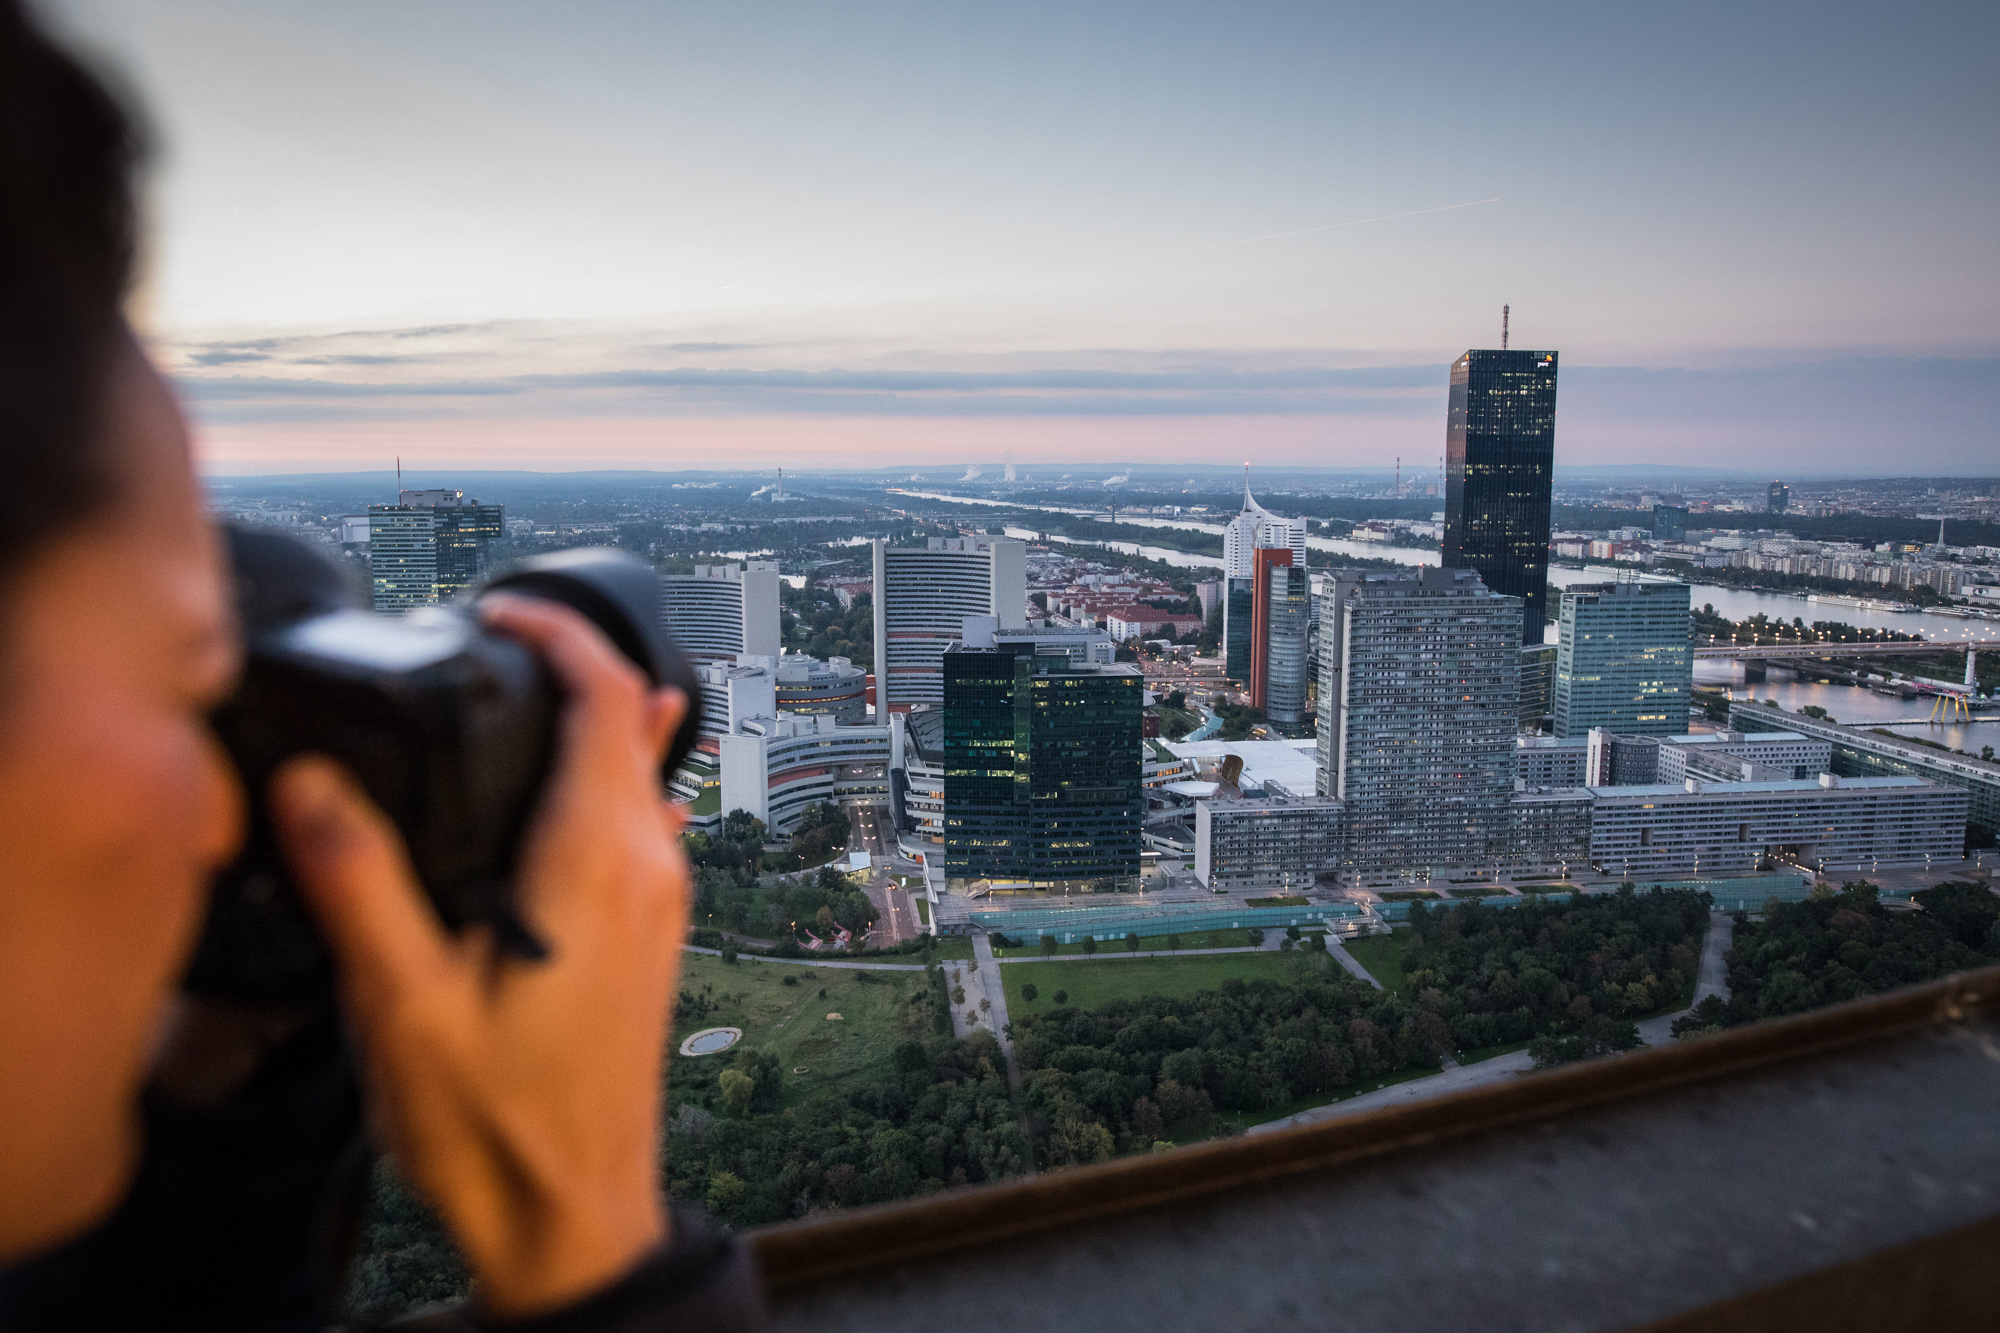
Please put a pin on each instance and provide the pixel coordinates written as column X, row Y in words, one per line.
column 1839, row 946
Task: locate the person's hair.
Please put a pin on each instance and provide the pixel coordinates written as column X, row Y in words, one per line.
column 68, row 231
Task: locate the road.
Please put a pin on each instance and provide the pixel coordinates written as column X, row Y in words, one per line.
column 896, row 917
column 1711, row 979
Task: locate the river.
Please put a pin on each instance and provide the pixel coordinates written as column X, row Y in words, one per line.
column 1405, row 555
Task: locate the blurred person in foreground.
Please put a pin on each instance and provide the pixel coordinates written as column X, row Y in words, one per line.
column 522, row 1100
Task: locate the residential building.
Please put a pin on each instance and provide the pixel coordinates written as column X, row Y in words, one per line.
column 1835, row 823
column 1859, row 753
column 1500, row 437
column 1269, row 842
column 1043, row 756
column 922, row 595
column 1419, row 691
column 1550, row 829
column 722, row 612
column 1625, row 662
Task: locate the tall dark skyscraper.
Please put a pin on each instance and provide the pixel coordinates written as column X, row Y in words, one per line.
column 1778, row 498
column 1500, row 445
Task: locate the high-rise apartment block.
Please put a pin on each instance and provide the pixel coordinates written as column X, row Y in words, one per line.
column 1500, row 436
column 428, row 547
column 1624, row 662
column 1280, row 606
column 721, row 612
column 923, row 595
column 1043, row 784
column 1418, row 699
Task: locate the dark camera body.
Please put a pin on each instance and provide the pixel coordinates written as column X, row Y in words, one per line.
column 451, row 729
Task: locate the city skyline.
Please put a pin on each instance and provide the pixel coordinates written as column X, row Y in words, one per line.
column 653, row 237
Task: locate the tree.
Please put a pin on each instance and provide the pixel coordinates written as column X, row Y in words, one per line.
column 1049, row 946
column 725, row 1193
column 737, row 1088
column 1255, row 936
column 1062, row 997
column 1173, row 943
column 729, row 951
column 1090, row 944
column 1028, row 991
column 1147, row 1122
column 1132, row 942
column 1176, row 700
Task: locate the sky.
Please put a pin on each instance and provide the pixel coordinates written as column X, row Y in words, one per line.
column 611, row 234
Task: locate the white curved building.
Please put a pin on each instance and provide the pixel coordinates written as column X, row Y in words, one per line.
column 923, row 595
column 778, row 768
column 721, row 611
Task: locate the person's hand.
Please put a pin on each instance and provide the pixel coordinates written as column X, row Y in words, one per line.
column 521, row 1098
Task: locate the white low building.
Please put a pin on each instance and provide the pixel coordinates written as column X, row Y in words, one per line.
column 1837, row 823
column 778, row 768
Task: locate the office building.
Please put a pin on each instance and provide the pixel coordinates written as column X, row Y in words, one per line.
column 1257, row 527
column 1832, row 822
column 779, row 768
column 722, row 612
column 1081, row 646
column 1279, row 618
column 1862, row 753
column 1538, row 685
column 1499, row 462
column 1270, row 842
column 1419, row 691
column 923, row 595
column 1721, row 755
column 1042, row 757
column 836, row 688
column 1670, row 523
column 402, row 556
column 1624, row 660
column 1238, row 616
column 428, row 547
column 1778, row 499
column 733, row 692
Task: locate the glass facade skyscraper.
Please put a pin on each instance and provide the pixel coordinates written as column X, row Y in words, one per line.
column 1042, row 770
column 1238, row 612
column 1624, row 662
column 1500, row 438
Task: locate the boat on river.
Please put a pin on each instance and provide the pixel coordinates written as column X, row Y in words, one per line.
column 1859, row 603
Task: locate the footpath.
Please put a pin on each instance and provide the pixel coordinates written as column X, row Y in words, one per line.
column 1713, row 979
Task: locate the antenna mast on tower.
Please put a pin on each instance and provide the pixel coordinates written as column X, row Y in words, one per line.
column 1503, row 327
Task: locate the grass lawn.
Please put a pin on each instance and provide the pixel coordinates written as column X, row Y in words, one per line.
column 1408, row 896
column 952, row 949
column 1193, row 939
column 1479, row 893
column 924, row 910
column 1090, row 984
column 1554, row 886
column 791, row 1021
column 1382, row 955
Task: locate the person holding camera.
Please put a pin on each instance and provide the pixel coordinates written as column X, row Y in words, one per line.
column 520, row 1098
